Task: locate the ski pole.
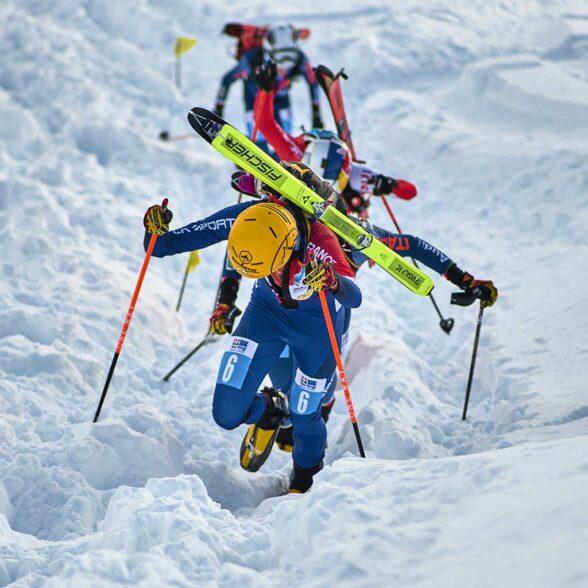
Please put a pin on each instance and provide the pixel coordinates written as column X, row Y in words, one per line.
column 445, row 324
column 128, row 318
column 165, row 136
column 342, row 377
column 473, row 361
column 183, row 287
column 191, row 264
column 207, row 339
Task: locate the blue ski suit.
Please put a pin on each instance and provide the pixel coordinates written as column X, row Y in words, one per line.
column 277, row 315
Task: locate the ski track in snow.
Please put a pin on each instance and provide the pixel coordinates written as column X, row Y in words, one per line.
column 485, row 107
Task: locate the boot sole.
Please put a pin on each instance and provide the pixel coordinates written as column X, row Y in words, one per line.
column 256, row 447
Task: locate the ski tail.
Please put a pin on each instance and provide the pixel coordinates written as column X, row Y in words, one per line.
column 205, row 123
column 325, row 77
column 331, row 85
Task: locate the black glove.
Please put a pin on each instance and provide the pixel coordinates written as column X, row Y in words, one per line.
column 317, row 121
column 157, row 218
column 266, row 76
column 483, row 290
column 219, row 109
column 383, row 184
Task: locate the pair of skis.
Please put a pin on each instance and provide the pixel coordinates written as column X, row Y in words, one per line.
column 235, row 146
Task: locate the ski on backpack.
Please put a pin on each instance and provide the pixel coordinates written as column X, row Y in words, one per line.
column 239, row 149
column 331, row 84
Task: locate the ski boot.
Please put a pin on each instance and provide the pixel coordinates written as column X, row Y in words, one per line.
column 259, row 439
column 326, row 409
column 285, row 440
column 301, row 478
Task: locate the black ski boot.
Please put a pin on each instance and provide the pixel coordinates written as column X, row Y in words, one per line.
column 301, row 478
column 326, row 410
column 259, row 439
column 285, row 439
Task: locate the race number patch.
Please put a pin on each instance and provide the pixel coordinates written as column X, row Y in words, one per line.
column 236, row 361
column 306, row 394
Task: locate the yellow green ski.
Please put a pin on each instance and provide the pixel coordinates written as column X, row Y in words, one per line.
column 239, row 149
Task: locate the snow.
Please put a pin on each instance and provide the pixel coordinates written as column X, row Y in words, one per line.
column 484, row 106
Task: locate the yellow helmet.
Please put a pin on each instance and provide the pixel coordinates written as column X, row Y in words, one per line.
column 262, row 239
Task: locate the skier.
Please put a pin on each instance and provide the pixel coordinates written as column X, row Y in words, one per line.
column 330, row 157
column 280, row 44
column 275, row 244
column 257, row 445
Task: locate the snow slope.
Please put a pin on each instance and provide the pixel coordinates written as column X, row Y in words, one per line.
column 485, row 107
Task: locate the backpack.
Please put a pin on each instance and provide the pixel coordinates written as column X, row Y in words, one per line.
column 252, row 36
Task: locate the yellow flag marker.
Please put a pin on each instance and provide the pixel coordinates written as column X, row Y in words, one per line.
column 183, row 44
column 193, row 261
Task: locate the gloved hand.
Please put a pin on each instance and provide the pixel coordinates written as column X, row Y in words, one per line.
column 382, row 184
column 219, row 109
column 266, row 76
column 386, row 185
column 485, row 290
column 317, row 121
column 321, row 276
column 223, row 318
column 157, row 218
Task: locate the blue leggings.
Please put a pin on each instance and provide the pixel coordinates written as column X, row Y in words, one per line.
column 256, row 344
column 282, row 372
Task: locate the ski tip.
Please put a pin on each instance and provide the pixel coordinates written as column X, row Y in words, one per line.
column 205, row 123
